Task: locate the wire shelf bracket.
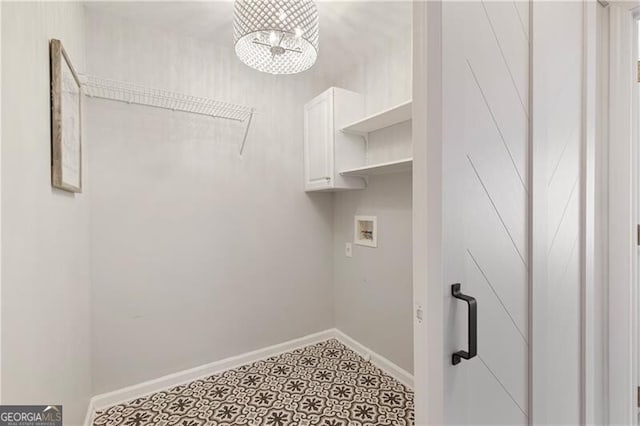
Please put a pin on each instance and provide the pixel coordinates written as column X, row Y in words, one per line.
column 130, row 93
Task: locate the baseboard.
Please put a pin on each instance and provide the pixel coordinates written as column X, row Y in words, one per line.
column 136, row 391
column 398, row 373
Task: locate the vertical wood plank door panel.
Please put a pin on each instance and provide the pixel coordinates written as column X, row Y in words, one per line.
column 485, row 130
column 557, row 138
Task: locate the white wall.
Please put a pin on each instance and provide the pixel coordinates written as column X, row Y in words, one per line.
column 373, row 289
column 198, row 254
column 385, row 78
column 45, row 238
column 373, row 293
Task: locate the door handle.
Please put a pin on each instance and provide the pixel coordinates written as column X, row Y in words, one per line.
column 473, row 325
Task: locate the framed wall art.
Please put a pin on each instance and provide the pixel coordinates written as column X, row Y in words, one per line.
column 66, row 121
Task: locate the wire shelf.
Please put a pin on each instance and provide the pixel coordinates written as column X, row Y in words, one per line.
column 104, row 88
column 131, row 93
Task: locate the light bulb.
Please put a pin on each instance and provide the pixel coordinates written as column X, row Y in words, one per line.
column 273, row 38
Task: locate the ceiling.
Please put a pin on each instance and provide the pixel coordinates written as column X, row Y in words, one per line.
column 349, row 30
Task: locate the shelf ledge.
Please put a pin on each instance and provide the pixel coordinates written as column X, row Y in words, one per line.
column 398, row 166
column 386, row 118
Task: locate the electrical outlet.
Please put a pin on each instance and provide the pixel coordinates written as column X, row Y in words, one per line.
column 348, row 249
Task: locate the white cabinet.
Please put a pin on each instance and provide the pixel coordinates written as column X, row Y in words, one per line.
column 328, row 150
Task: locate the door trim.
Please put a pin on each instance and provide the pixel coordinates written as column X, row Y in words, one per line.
column 589, row 357
column 621, row 211
column 428, row 288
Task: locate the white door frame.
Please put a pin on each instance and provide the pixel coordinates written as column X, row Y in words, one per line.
column 620, row 246
column 427, row 214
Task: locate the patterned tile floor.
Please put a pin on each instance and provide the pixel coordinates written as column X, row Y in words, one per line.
column 325, row 384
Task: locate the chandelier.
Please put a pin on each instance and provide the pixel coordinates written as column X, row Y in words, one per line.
column 276, row 36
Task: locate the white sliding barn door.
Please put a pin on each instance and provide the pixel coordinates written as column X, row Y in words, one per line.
column 498, row 186
column 485, row 153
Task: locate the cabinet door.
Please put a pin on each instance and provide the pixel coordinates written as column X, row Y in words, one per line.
column 318, row 142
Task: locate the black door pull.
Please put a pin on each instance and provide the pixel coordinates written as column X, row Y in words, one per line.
column 473, row 326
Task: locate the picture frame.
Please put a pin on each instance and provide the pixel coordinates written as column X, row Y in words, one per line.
column 66, row 121
column 366, row 231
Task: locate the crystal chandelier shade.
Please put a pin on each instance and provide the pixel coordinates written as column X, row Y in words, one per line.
column 276, row 36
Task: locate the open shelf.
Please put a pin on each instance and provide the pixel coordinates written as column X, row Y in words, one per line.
column 398, row 166
column 386, row 118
